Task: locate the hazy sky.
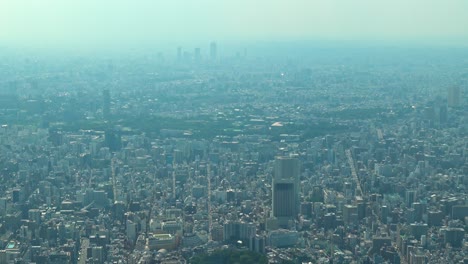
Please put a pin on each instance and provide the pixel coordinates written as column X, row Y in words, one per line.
column 127, row 23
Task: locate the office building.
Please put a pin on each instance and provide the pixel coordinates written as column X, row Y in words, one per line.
column 283, row 238
column 179, row 53
column 106, row 103
column 234, row 231
column 161, row 241
column 197, row 55
column 453, row 96
column 213, row 51
column 410, row 198
column 453, row 236
column 285, row 202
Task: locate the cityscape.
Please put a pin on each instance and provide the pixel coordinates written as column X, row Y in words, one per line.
column 182, row 157
column 288, row 132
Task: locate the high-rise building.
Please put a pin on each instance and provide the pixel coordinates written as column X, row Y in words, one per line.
column 453, row 96
column 179, row 53
column 234, row 231
column 106, row 103
column 285, row 189
column 113, row 139
column 454, row 236
column 410, row 197
column 3, row 206
column 213, row 51
column 197, row 55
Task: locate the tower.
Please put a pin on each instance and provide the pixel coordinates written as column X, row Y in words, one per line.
column 106, row 104
column 113, row 139
column 453, row 96
column 285, row 189
column 213, row 50
column 410, row 198
column 179, row 53
column 197, row 55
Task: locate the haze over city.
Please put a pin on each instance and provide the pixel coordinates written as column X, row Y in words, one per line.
column 219, row 131
column 125, row 24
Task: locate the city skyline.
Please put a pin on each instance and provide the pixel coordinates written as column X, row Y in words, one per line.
column 253, row 132
column 124, row 24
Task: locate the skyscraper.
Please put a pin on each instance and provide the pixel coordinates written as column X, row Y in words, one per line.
column 106, row 104
column 113, row 139
column 197, row 55
column 410, row 198
column 453, row 96
column 179, row 53
column 285, row 189
column 213, row 51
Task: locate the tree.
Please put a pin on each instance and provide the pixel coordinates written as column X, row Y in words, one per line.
column 230, row 256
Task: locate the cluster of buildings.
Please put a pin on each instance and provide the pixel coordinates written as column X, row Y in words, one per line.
column 387, row 184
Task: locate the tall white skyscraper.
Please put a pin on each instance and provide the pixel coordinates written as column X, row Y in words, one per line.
column 286, row 190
